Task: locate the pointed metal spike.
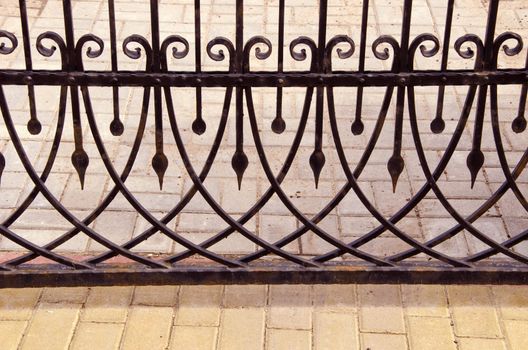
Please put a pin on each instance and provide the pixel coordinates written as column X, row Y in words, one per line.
column 278, row 125
column 2, row 165
column 395, row 166
column 199, row 126
column 160, row 163
column 474, row 162
column 317, row 161
column 239, row 162
column 116, row 127
column 437, row 125
column 80, row 162
column 357, row 127
column 519, row 124
column 34, row 127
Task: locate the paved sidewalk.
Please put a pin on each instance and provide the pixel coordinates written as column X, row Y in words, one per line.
column 300, row 317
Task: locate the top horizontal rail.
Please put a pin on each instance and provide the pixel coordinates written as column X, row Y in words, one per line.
column 263, row 79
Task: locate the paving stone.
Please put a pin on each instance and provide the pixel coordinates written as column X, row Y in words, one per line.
column 290, row 307
column 431, row 333
column 242, row 329
column 245, row 296
column 335, row 330
column 148, row 327
column 380, row 309
column 75, row 295
column 194, row 337
column 107, row 304
column 425, row 300
column 18, row 304
column 473, row 312
column 481, row 343
column 199, row 306
column 104, row 336
column 11, row 333
column 516, row 334
column 155, row 295
column 512, row 301
column 383, row 341
column 51, row 327
column 288, row 339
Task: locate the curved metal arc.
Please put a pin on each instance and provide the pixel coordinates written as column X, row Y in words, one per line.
column 128, row 166
column 33, row 175
column 135, row 204
column 214, row 205
column 439, row 194
column 267, row 169
column 422, row 192
column 364, row 200
column 269, row 192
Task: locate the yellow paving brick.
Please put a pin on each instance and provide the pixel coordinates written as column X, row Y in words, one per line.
column 289, row 339
column 107, row 304
column 155, row 295
column 10, row 333
column 481, row 344
column 425, row 300
column 51, row 327
column 380, row 341
column 335, row 296
column 335, row 330
column 516, row 332
column 431, row 333
column 18, row 304
column 100, row 336
column 64, row 295
column 193, row 337
column 148, row 328
column 513, row 301
column 245, row 296
column 242, row 329
column 380, row 309
column 290, row 307
column 473, row 312
column 199, row 306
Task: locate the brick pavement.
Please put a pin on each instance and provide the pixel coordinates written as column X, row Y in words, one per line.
column 270, row 317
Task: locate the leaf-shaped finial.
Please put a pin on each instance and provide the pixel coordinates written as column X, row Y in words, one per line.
column 519, row 124
column 199, row 126
column 80, row 162
column 160, row 163
column 239, row 162
column 34, row 127
column 117, row 127
column 2, row 165
column 317, row 161
column 395, row 166
column 474, row 161
column 278, row 125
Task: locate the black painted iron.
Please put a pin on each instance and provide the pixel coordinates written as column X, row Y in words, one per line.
column 239, row 80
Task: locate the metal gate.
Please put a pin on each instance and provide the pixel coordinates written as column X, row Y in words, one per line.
column 345, row 261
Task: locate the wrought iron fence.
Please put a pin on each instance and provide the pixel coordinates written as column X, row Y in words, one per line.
column 239, row 80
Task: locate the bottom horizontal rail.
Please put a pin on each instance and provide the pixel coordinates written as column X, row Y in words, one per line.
column 266, row 275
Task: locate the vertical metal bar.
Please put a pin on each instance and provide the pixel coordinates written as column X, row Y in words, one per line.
column 198, row 124
column 519, row 123
column 239, row 162
column 278, row 125
column 159, row 161
column 357, row 126
column 116, row 127
column 34, row 126
column 475, row 158
column 438, row 124
column 317, row 159
column 79, row 157
column 396, row 162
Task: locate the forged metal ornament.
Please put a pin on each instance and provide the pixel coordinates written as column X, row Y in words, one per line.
column 320, row 80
